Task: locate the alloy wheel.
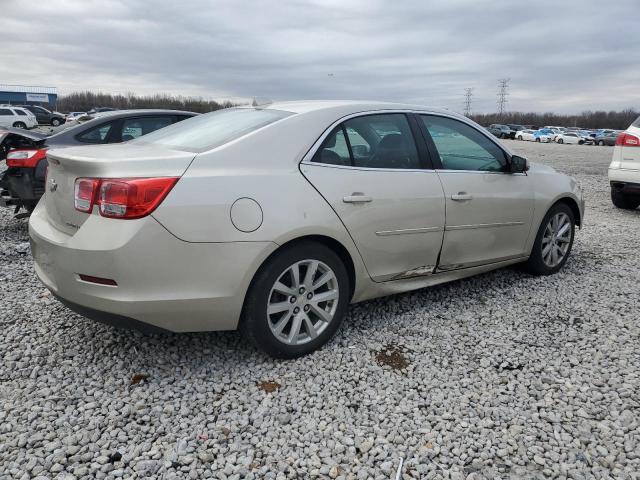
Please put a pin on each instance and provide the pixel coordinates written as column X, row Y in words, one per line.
column 556, row 239
column 302, row 302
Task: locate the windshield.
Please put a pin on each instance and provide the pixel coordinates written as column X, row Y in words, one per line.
column 204, row 132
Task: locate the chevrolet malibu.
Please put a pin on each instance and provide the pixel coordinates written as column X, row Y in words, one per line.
column 273, row 219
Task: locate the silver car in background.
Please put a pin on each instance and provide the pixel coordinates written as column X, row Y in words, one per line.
column 273, row 219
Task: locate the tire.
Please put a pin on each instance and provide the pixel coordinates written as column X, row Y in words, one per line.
column 538, row 140
column 20, row 125
column 55, row 122
column 623, row 201
column 291, row 308
column 542, row 262
column 560, row 140
column 520, row 137
column 601, row 143
column 580, row 142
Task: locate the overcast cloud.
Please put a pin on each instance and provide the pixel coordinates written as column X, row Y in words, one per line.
column 563, row 56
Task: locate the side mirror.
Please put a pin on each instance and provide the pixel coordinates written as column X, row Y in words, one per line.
column 518, row 164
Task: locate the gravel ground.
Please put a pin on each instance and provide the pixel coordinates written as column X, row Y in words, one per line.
column 499, row 376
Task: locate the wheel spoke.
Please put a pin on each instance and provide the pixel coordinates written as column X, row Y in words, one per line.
column 282, row 288
column 325, row 296
column 311, row 273
column 327, row 276
column 563, row 229
column 546, row 249
column 295, row 275
column 320, row 312
column 278, row 307
column 295, row 328
column 279, row 326
column 554, row 256
column 310, row 328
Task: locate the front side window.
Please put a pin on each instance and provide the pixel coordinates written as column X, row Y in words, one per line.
column 6, row 111
column 136, row 127
column 211, row 130
column 462, row 147
column 97, row 134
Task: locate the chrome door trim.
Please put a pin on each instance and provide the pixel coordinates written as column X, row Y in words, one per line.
column 408, row 231
column 483, row 225
column 458, row 266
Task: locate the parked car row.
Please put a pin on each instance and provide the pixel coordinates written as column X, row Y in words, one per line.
column 23, row 182
column 547, row 134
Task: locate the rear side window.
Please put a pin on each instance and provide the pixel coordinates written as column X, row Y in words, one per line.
column 21, row 112
column 636, row 123
column 97, row 134
column 133, row 128
column 204, row 132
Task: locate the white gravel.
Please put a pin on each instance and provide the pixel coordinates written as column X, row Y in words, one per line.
column 505, row 376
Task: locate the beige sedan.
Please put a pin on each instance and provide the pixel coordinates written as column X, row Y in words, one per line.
column 273, row 219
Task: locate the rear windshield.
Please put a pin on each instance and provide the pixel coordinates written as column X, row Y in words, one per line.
column 204, row 132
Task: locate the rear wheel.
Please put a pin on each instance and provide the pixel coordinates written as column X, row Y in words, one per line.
column 537, row 140
column 601, row 143
column 55, row 122
column 520, row 137
column 560, row 140
column 553, row 242
column 626, row 202
column 20, row 125
column 296, row 301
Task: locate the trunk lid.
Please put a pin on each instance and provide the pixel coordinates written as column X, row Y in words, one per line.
column 105, row 161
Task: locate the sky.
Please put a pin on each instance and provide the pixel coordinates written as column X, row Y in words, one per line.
column 562, row 56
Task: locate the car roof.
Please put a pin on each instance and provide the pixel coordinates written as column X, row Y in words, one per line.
column 350, row 106
column 146, row 111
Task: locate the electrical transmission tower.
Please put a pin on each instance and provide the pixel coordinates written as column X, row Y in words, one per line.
column 503, row 92
column 468, row 93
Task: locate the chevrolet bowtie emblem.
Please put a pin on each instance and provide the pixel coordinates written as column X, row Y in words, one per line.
column 53, row 186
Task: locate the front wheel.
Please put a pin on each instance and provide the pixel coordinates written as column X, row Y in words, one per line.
column 537, row 140
column 296, row 301
column 560, row 140
column 553, row 242
column 601, row 143
column 20, row 125
column 55, row 122
column 520, row 137
column 623, row 201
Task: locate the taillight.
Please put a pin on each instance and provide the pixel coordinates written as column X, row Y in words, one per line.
column 84, row 193
column 627, row 140
column 25, row 157
column 126, row 198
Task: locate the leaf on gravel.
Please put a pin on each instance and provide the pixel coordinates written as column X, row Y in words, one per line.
column 138, row 377
column 268, row 386
column 392, row 356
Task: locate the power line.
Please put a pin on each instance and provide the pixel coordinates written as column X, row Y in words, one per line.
column 503, row 92
column 468, row 93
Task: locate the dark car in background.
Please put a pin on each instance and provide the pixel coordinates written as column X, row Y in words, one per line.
column 44, row 116
column 515, row 127
column 23, row 183
column 608, row 139
column 502, row 131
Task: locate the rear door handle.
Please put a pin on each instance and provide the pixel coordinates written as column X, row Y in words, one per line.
column 357, row 197
column 461, row 197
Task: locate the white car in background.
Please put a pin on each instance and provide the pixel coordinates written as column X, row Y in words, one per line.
column 570, row 137
column 16, row 117
column 624, row 171
column 532, row 136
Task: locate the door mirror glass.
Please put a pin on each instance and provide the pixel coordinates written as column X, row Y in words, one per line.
column 518, row 164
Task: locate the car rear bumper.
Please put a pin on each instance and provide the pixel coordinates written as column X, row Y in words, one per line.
column 627, row 188
column 162, row 282
column 624, row 176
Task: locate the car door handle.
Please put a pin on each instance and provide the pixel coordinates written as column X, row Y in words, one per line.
column 357, row 197
column 461, row 197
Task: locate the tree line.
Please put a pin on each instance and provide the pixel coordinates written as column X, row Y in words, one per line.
column 84, row 101
column 617, row 120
